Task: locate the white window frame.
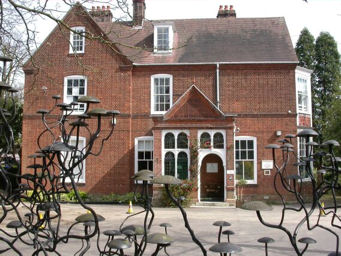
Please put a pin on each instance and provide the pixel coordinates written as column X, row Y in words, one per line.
column 72, row 34
column 255, row 160
column 175, row 150
column 211, row 133
column 83, row 176
column 170, row 37
column 75, row 77
column 305, row 76
column 143, row 138
column 152, row 101
column 299, row 156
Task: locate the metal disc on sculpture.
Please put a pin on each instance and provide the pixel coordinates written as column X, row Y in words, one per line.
column 331, row 143
column 42, row 111
column 266, row 240
column 221, row 223
column 322, row 171
column 5, row 58
column 119, row 244
column 97, row 112
column 112, row 232
column 13, row 90
column 256, row 206
column 283, row 141
column 113, row 112
column 294, row 177
column 58, row 146
column 79, row 123
column 166, row 225
column 4, row 86
column 137, row 229
column 225, row 248
column 46, row 207
column 63, row 105
column 159, row 238
column 290, row 136
column 307, row 133
column 228, row 232
column 84, row 116
column 312, row 143
column 86, row 217
column 56, row 97
column 334, row 254
column 34, row 166
column 307, row 240
column 14, row 224
column 288, row 145
column 88, row 99
column 272, row 146
column 36, row 155
column 144, row 175
column 166, row 179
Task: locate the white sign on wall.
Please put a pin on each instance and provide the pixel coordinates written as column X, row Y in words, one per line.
column 212, row 167
column 267, row 164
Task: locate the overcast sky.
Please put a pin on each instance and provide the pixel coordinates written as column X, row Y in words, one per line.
column 316, row 15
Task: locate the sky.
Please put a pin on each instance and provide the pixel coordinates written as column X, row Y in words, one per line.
column 316, row 15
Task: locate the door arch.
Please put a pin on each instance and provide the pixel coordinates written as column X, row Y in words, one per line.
column 212, row 178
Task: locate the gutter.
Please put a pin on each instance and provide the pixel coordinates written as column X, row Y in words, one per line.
column 214, row 63
column 218, row 86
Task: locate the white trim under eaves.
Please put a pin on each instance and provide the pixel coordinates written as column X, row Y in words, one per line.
column 214, row 63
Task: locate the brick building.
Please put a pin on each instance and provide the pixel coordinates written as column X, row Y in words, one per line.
column 229, row 84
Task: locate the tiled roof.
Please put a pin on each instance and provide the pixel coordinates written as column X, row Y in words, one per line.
column 231, row 40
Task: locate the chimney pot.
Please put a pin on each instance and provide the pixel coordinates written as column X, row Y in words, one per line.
column 226, row 7
column 93, row 8
column 220, row 7
column 231, row 7
column 98, row 8
column 108, row 7
column 103, row 8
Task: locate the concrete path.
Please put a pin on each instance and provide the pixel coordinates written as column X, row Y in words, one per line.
column 245, row 224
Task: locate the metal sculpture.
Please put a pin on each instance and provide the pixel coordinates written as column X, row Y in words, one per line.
column 34, row 196
column 325, row 180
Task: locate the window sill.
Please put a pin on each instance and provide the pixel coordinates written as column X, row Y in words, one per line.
column 161, row 53
column 75, row 54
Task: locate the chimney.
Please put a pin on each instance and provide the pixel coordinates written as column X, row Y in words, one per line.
column 226, row 12
column 139, row 8
column 101, row 15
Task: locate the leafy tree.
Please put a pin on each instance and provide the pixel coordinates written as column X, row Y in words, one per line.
column 305, row 49
column 333, row 129
column 327, row 75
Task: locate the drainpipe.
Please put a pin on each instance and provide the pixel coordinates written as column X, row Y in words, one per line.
column 217, row 86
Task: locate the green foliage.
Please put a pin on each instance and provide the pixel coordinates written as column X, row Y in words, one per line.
column 333, row 129
column 184, row 190
column 305, row 49
column 72, row 195
column 327, row 73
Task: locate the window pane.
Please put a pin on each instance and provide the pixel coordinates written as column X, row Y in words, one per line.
column 218, row 140
column 169, row 164
column 149, row 145
column 140, row 155
column 169, row 140
column 140, row 145
column 182, row 165
column 239, row 170
column 147, row 155
column 250, row 144
column 142, row 165
column 182, row 140
column 243, row 144
column 250, row 155
column 248, row 170
column 237, row 144
column 243, row 154
column 205, row 140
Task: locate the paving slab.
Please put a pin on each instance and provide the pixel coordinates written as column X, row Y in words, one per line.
column 244, row 223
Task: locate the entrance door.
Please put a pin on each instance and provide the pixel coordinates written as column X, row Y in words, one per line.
column 212, row 179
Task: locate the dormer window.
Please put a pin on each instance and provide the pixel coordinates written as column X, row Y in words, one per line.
column 163, row 39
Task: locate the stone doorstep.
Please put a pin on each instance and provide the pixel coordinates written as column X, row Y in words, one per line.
column 227, row 204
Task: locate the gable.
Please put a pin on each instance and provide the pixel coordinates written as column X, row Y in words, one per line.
column 77, row 16
column 193, row 105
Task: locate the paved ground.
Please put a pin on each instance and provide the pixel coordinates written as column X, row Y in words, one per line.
column 245, row 224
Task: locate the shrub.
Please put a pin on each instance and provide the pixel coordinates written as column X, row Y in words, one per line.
column 185, row 190
column 72, row 195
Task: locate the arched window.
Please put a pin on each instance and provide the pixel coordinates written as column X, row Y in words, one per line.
column 218, row 140
column 182, row 165
column 169, row 164
column 182, row 140
column 169, row 140
column 205, row 140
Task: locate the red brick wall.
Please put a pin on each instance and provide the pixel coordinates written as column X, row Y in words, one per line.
column 261, row 95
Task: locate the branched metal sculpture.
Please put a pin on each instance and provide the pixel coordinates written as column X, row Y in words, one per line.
column 56, row 168
column 325, row 180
